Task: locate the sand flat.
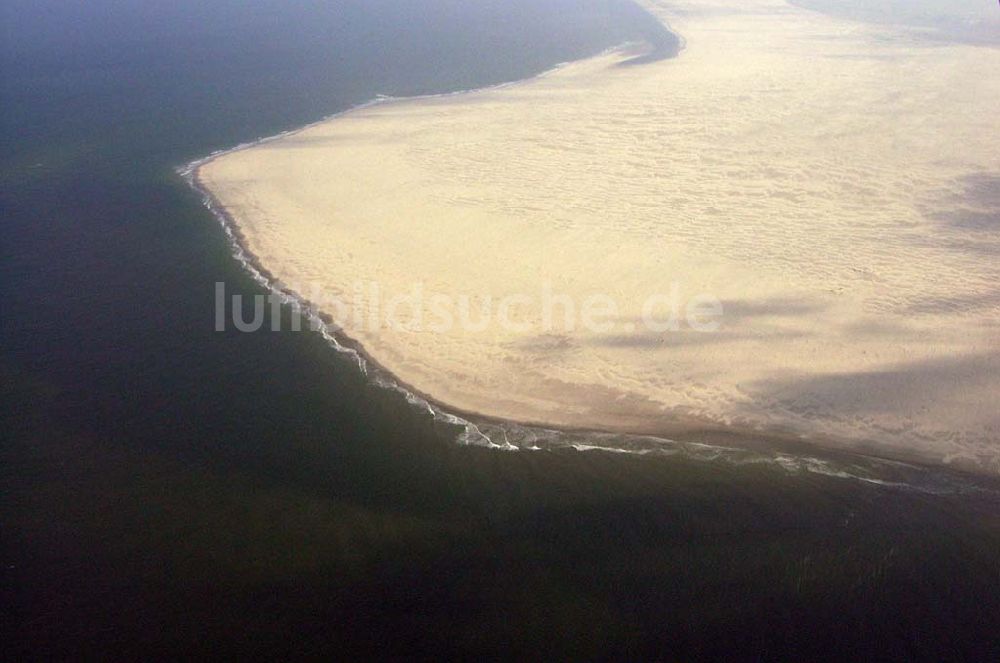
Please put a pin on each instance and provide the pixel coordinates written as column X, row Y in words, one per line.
column 835, row 185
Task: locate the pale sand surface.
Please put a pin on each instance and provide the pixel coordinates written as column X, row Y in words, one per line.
column 836, row 185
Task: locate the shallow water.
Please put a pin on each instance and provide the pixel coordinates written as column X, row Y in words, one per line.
column 168, row 489
column 962, row 21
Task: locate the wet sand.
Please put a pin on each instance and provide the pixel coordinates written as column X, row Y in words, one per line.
column 835, row 186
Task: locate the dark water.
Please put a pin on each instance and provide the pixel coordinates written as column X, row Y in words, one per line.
column 170, row 490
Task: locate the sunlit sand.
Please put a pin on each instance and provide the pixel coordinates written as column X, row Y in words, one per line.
column 835, row 185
